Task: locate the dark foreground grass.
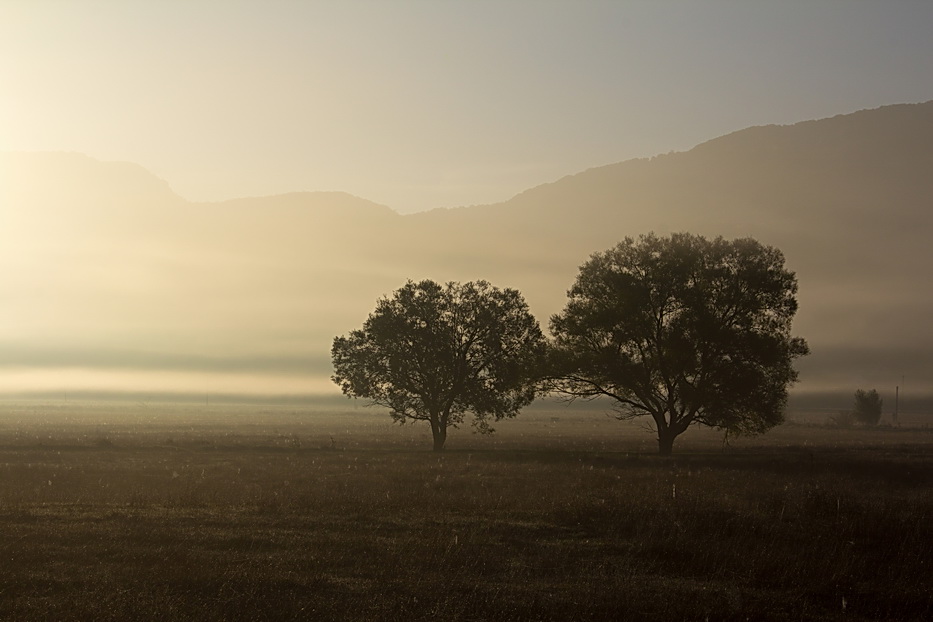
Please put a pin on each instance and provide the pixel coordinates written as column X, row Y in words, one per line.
column 231, row 520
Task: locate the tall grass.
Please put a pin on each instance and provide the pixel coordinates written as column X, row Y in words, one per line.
column 297, row 516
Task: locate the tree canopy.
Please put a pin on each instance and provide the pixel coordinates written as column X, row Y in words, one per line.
column 435, row 353
column 682, row 329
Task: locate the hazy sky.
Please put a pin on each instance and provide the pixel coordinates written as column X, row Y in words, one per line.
column 429, row 104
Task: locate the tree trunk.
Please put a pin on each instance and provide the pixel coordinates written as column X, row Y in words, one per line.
column 439, row 432
column 666, row 438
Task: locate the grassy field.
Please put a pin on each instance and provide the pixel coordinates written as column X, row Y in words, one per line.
column 156, row 512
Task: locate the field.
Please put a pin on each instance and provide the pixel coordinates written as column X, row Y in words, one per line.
column 136, row 511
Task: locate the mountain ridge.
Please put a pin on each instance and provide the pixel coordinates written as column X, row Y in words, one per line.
column 755, row 132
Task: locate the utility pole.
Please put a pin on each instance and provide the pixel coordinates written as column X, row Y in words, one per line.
column 897, row 395
column 897, row 391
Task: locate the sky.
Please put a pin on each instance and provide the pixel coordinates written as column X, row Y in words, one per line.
column 418, row 105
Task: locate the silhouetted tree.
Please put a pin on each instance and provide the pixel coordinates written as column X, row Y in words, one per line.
column 683, row 329
column 434, row 353
column 867, row 407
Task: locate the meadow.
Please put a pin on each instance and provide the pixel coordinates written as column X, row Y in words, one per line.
column 139, row 511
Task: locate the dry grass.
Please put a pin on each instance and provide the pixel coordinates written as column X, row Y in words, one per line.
column 135, row 512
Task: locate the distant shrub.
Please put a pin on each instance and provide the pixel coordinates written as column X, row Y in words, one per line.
column 867, row 407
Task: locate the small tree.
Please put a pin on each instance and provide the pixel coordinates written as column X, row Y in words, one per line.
column 684, row 330
column 867, row 407
column 434, row 353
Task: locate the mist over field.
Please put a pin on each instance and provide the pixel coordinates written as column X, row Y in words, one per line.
column 115, row 283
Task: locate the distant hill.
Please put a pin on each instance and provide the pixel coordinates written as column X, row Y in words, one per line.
column 104, row 256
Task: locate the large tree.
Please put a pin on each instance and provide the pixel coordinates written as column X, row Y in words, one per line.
column 682, row 329
column 435, row 353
